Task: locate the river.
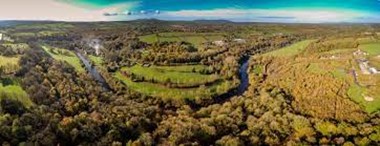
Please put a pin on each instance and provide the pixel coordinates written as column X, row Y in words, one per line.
column 243, row 75
column 93, row 71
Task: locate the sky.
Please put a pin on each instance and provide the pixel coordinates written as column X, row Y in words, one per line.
column 288, row 11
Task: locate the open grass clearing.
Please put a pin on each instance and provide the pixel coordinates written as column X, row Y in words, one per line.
column 366, row 40
column 157, row 90
column 195, row 38
column 372, row 49
column 9, row 64
column 358, row 94
column 149, row 38
column 5, row 61
column 170, row 74
column 15, row 92
column 98, row 61
column 16, row 45
column 340, row 51
column 66, row 56
column 183, row 68
column 291, row 50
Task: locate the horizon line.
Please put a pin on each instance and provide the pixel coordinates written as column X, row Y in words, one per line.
column 185, row 20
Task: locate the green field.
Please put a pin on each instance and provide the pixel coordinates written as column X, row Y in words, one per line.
column 366, row 40
column 195, row 38
column 355, row 92
column 161, row 91
column 16, row 46
column 290, row 50
column 9, row 64
column 340, row 51
column 371, row 48
column 149, row 38
column 183, row 68
column 5, row 61
column 15, row 92
column 66, row 56
column 98, row 61
column 175, row 74
column 48, row 26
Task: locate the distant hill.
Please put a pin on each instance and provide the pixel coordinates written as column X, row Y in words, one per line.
column 212, row 21
column 16, row 22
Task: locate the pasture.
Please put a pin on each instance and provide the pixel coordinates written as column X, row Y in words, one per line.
column 291, row 50
column 194, row 38
column 9, row 64
column 372, row 49
column 15, row 92
column 158, row 90
column 179, row 75
column 66, row 56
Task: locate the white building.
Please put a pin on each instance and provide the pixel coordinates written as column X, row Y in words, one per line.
column 240, row 41
column 1, row 36
column 219, row 43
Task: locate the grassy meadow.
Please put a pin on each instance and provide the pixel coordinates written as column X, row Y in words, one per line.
column 9, row 64
column 195, row 38
column 291, row 50
column 15, row 92
column 183, row 75
column 66, row 56
column 161, row 91
column 98, row 61
column 371, row 48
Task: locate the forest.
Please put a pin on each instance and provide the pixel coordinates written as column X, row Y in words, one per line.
column 152, row 82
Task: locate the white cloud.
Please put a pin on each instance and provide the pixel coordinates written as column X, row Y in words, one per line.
column 53, row 10
column 271, row 15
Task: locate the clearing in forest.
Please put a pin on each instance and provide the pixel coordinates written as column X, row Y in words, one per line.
column 66, row 56
column 291, row 50
column 161, row 91
column 185, row 75
column 98, row 61
column 14, row 91
column 9, row 64
column 372, row 49
column 194, row 38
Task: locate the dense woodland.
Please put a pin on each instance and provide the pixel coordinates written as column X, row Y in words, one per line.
column 70, row 108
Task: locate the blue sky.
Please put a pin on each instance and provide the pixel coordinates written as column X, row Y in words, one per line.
column 303, row 11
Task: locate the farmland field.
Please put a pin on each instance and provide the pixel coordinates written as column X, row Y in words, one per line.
column 15, row 92
column 195, row 38
column 10, row 64
column 4, row 61
column 164, row 92
column 371, row 48
column 291, row 50
column 164, row 74
column 66, row 56
column 97, row 60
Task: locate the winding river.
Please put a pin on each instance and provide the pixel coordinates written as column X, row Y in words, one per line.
column 244, row 78
column 243, row 75
column 92, row 70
